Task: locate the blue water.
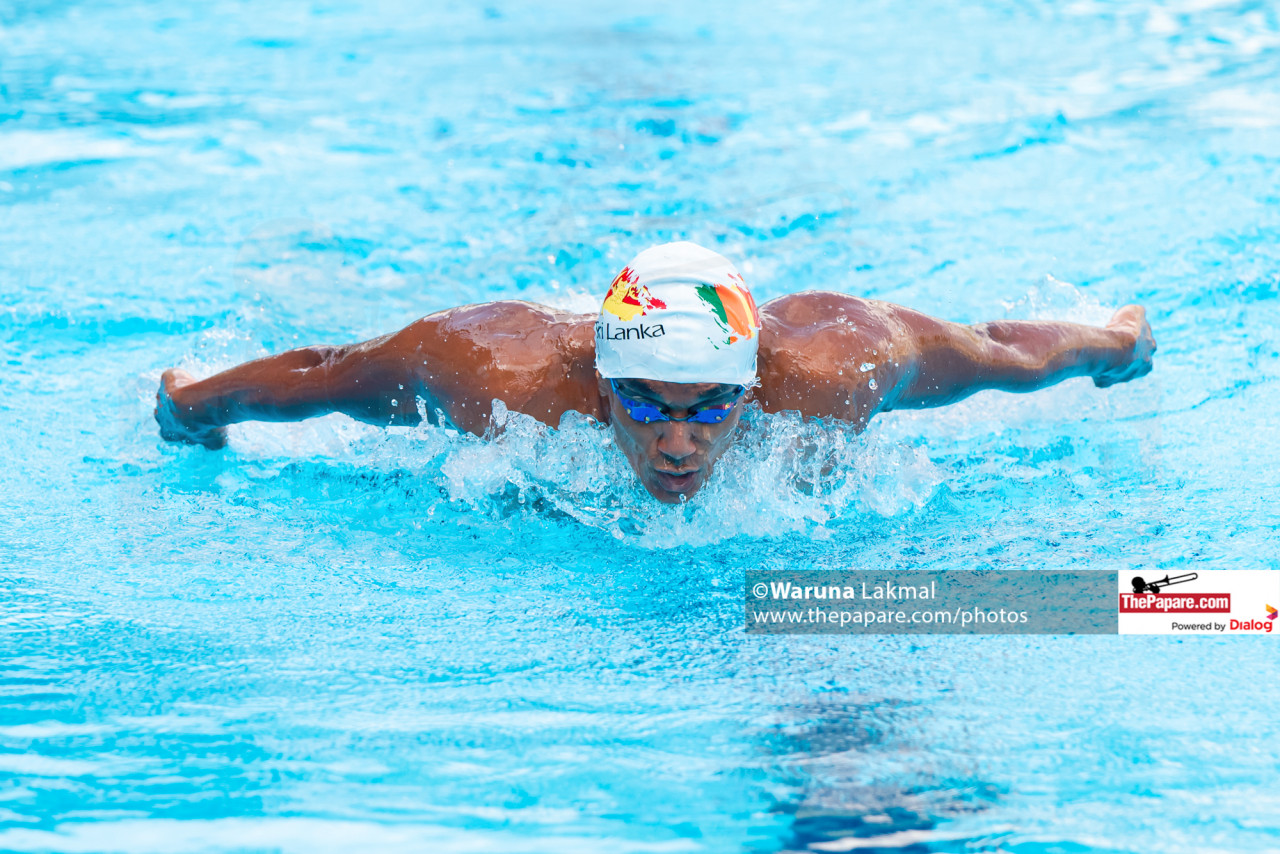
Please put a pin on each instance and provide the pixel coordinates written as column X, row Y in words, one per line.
column 331, row 638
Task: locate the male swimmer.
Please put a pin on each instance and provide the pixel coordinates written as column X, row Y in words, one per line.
column 676, row 351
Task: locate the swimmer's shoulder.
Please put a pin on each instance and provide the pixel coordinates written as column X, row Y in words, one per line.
column 503, row 330
column 537, row 359
column 502, row 319
column 813, row 349
column 826, row 319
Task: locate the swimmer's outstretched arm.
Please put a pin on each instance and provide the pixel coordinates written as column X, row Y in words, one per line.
column 371, row 382
column 949, row 361
column 535, row 359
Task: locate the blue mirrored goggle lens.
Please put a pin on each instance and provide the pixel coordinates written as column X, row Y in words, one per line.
column 711, row 415
column 643, row 411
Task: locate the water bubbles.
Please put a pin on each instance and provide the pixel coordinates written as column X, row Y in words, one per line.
column 871, row 383
column 866, row 366
column 394, row 401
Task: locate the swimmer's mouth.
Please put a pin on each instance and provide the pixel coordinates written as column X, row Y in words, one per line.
column 672, row 482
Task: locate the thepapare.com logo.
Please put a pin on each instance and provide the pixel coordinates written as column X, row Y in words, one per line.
column 1154, row 597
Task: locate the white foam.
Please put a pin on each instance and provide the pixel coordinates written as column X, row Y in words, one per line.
column 24, row 149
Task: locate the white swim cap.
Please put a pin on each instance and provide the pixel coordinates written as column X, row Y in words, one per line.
column 678, row 313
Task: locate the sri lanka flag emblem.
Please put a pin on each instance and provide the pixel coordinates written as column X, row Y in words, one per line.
column 733, row 308
column 627, row 298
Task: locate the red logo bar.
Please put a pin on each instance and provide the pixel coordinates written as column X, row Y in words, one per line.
column 1175, row 603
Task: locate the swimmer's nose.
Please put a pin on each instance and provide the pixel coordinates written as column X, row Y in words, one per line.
column 675, row 440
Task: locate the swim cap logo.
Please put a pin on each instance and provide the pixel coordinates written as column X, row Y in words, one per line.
column 733, row 307
column 628, row 299
column 1271, row 613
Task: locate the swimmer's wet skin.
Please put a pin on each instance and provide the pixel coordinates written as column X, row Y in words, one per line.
column 665, row 363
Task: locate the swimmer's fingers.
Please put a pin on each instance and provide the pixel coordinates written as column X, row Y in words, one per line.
column 173, row 428
column 1139, row 345
column 173, row 379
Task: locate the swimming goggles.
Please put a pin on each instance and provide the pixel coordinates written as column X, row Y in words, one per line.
column 647, row 412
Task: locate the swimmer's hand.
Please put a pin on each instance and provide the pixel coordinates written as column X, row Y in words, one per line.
column 1137, row 347
column 175, row 419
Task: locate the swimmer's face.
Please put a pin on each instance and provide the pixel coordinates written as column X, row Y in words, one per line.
column 673, row 459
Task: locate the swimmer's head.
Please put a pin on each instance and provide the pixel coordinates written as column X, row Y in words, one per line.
column 678, row 313
column 676, row 346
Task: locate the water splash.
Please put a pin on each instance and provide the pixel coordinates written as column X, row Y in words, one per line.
column 1054, row 299
column 783, row 476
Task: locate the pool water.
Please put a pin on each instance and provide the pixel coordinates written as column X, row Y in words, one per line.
column 330, row 637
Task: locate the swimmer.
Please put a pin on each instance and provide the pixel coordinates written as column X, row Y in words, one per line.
column 677, row 350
